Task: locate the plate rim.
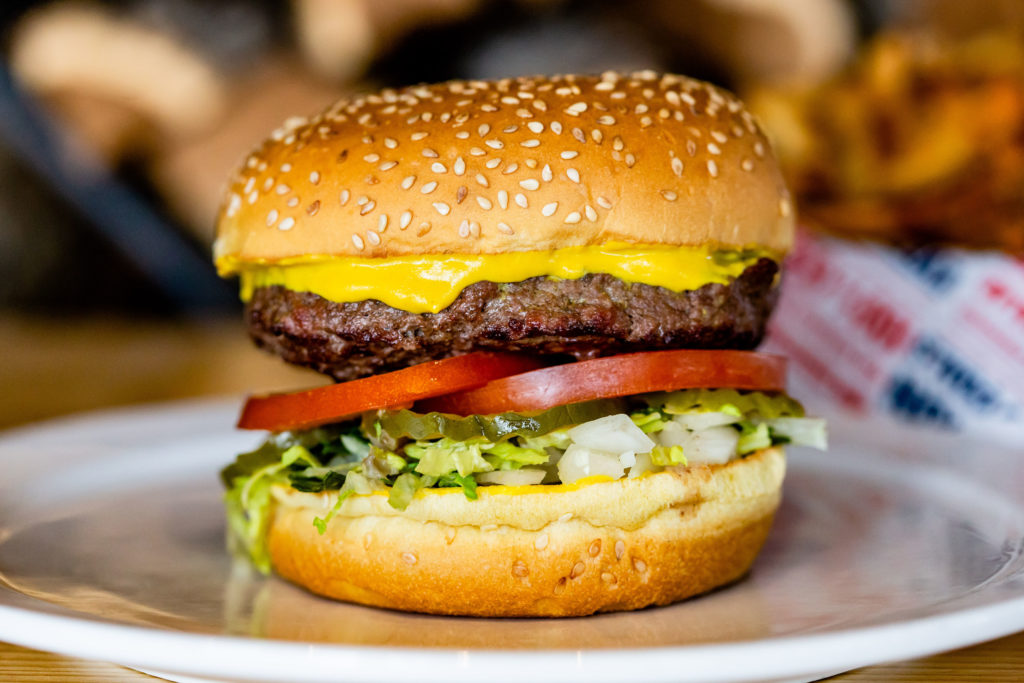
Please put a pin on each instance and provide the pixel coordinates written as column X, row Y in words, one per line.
column 225, row 655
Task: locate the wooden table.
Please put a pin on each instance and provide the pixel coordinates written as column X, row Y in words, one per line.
column 60, row 367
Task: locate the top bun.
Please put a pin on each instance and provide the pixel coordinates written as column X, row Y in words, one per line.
column 479, row 167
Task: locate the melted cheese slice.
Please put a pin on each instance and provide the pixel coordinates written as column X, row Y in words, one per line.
column 429, row 283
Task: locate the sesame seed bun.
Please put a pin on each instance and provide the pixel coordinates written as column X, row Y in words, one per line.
column 605, row 547
column 520, row 164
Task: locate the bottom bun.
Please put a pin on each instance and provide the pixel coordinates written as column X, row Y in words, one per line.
column 550, row 550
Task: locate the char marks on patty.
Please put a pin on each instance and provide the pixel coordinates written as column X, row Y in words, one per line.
column 595, row 315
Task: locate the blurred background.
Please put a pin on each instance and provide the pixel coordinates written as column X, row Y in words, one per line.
column 900, row 124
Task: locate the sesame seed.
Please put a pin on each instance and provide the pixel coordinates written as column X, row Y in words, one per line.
column 511, row 168
column 576, row 109
column 603, row 203
column 484, row 203
column 606, row 120
column 419, row 135
column 639, row 565
column 483, row 130
column 362, row 200
column 719, row 137
column 464, row 229
column 429, row 187
column 540, row 105
column 314, row 177
column 556, row 127
column 714, row 149
column 462, row 134
column 579, row 134
column 371, row 158
column 546, row 174
column 367, row 208
column 569, row 154
column 520, row 199
column 747, row 165
column 293, row 202
column 285, row 168
column 784, row 207
column 535, row 127
column 529, row 184
column 541, row 542
column 630, row 160
column 382, row 223
column 506, row 228
column 669, row 195
column 691, row 148
column 712, row 168
column 442, row 208
column 459, row 167
column 372, row 237
column 390, row 143
column 503, row 199
column 409, row 558
column 477, row 152
column 597, row 136
column 344, row 197
column 493, row 163
column 641, row 109
column 574, row 217
column 272, row 217
column 313, row 208
column 759, row 149
column 249, row 185
column 388, row 165
column 549, row 209
column 620, row 549
column 510, row 129
column 404, row 220
column 438, row 167
column 677, row 166
column 474, row 230
column 358, row 241
column 617, row 144
column 267, row 184
column 591, row 214
column 408, row 181
column 495, row 144
column 572, row 174
column 480, row 179
column 234, row 204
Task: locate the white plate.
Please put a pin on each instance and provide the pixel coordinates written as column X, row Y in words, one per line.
column 111, row 548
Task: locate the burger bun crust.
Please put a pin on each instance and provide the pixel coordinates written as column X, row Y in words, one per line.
column 579, row 551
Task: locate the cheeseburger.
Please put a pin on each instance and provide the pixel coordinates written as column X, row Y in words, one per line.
column 537, row 297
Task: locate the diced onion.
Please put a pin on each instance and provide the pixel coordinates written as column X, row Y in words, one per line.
column 673, row 434
column 611, row 434
column 642, row 466
column 579, row 462
column 714, row 446
column 527, row 476
column 696, row 422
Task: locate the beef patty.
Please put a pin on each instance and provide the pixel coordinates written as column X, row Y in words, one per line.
column 595, row 315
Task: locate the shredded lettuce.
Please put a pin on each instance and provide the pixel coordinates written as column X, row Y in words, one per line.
column 381, row 451
column 663, row 456
column 753, row 437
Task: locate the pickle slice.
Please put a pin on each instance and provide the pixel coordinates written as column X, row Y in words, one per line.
column 400, row 424
column 746, row 403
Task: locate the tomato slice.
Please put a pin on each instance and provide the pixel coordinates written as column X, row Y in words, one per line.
column 305, row 409
column 631, row 373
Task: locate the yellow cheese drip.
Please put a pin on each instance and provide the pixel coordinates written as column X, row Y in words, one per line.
column 429, row 283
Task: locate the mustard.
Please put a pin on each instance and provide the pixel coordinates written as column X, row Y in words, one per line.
column 429, row 283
